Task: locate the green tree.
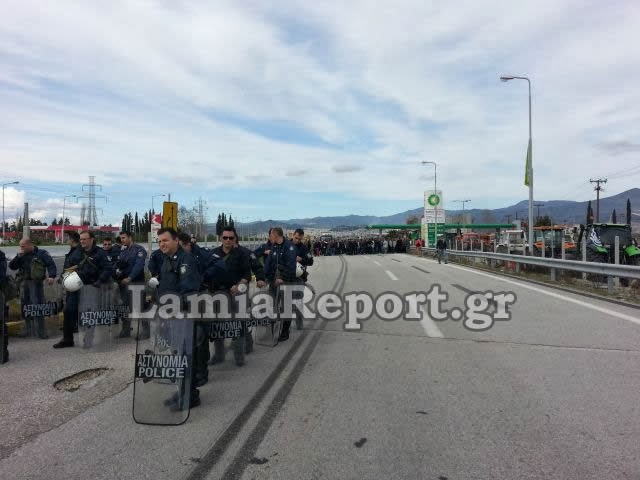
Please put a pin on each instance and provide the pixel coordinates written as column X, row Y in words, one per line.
column 543, row 221
column 219, row 225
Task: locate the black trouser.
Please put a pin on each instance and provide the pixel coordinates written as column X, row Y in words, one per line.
column 278, row 305
column 70, row 323
column 201, row 350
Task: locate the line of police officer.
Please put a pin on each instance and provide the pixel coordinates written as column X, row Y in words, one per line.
column 181, row 266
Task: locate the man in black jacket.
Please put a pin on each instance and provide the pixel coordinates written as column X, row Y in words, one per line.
column 34, row 265
column 90, row 263
column 305, row 259
column 280, row 268
column 257, row 269
column 235, row 282
column 441, row 245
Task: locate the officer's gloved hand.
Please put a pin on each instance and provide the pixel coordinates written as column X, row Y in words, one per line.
column 153, row 282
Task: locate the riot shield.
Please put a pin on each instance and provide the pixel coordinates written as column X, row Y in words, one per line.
column 267, row 330
column 97, row 317
column 4, row 334
column 163, row 372
column 35, row 307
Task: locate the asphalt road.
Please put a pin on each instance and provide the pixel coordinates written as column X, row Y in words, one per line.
column 550, row 393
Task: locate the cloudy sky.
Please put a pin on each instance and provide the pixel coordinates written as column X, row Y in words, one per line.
column 296, row 109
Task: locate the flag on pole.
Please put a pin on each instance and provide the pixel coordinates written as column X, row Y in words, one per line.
column 527, row 180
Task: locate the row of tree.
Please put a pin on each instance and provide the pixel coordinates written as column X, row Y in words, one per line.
column 190, row 220
column 17, row 226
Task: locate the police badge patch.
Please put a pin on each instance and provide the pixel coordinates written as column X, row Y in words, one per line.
column 291, row 248
column 183, row 269
column 140, row 253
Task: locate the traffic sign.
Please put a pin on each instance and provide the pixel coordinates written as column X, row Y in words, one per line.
column 170, row 215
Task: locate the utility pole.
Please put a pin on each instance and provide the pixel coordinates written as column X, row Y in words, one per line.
column 200, row 218
column 508, row 218
column 598, row 181
column 538, row 205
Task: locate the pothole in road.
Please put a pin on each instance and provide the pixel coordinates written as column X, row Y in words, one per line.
column 77, row 380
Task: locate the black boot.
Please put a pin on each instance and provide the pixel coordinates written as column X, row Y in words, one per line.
column 248, row 344
column 284, row 335
column 238, row 350
column 64, row 344
column 126, row 329
column 218, row 349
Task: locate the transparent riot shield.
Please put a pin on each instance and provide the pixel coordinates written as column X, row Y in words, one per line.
column 267, row 328
column 35, row 308
column 4, row 339
column 97, row 319
column 163, row 372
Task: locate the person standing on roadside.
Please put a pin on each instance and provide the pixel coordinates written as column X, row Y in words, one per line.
column 34, row 266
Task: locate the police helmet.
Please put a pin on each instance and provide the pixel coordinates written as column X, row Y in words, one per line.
column 72, row 282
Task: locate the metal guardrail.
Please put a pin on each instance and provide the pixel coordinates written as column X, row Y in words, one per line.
column 612, row 272
column 606, row 269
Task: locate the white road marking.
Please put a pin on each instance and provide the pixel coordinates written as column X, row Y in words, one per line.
column 391, row 275
column 430, row 327
column 377, row 263
column 561, row 296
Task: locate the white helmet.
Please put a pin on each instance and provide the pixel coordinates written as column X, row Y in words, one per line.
column 72, row 282
column 299, row 270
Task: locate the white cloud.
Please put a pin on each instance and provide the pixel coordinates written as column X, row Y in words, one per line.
column 13, row 201
column 174, row 94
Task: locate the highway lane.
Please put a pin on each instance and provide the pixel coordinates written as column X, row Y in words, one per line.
column 392, row 402
column 550, row 393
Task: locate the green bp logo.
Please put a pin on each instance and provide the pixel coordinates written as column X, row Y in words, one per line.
column 434, row 199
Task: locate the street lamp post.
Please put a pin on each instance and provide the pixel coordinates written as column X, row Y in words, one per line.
column 462, row 202
column 4, row 185
column 64, row 204
column 506, row 78
column 435, row 191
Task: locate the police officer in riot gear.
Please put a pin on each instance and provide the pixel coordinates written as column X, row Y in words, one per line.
column 212, row 270
column 178, row 275
column 130, row 269
column 304, row 258
column 280, row 268
column 257, row 269
column 235, row 282
column 90, row 263
column 112, row 252
column 32, row 288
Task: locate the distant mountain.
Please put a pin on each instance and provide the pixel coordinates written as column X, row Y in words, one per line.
column 560, row 211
